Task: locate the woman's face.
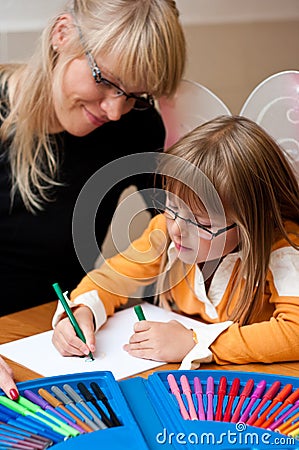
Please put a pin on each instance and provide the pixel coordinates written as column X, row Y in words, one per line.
column 82, row 105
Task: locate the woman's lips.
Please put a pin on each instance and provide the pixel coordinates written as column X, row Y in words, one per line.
column 94, row 119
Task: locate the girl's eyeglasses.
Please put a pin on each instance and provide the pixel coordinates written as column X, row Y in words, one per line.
column 203, row 232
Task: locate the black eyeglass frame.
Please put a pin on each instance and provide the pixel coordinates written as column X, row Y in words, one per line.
column 176, row 215
column 147, row 100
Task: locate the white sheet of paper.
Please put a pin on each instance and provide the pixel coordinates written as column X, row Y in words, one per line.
column 38, row 353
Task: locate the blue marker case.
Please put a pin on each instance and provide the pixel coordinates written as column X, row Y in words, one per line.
column 160, row 420
column 150, row 417
column 126, row 436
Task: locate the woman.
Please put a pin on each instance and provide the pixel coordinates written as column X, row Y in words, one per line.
column 6, row 381
column 85, row 98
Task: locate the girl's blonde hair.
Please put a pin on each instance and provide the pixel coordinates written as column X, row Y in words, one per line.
column 145, row 36
column 256, row 185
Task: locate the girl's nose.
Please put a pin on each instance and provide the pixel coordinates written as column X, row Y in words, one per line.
column 179, row 227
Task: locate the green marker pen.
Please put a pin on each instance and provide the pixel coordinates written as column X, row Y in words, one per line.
column 139, row 312
column 70, row 315
column 15, row 406
column 28, row 404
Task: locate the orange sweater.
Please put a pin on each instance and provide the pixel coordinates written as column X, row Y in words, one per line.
column 270, row 337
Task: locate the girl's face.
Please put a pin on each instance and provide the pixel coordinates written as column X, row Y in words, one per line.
column 193, row 244
column 82, row 105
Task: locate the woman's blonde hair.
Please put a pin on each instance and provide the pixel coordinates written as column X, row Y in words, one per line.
column 256, row 185
column 148, row 42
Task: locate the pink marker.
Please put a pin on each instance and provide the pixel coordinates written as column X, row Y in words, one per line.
column 269, row 395
column 175, row 390
column 187, row 391
column 198, row 393
column 256, row 394
column 210, row 396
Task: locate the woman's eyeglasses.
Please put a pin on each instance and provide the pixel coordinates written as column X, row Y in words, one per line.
column 138, row 102
column 193, row 226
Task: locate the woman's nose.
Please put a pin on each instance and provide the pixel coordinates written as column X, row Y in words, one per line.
column 114, row 107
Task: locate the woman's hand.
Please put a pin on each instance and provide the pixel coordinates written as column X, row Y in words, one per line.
column 65, row 339
column 160, row 341
column 6, row 381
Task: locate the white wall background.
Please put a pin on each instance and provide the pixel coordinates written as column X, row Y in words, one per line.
column 232, row 45
column 22, row 15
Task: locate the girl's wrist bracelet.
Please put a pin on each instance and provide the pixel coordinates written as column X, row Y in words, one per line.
column 194, row 336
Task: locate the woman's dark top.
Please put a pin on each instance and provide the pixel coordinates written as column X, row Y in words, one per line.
column 37, row 250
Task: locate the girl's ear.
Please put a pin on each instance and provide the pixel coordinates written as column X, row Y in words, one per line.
column 61, row 31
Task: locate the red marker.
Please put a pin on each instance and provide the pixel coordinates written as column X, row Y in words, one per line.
column 244, row 394
column 221, row 395
column 288, row 401
column 269, row 395
column 233, row 392
column 279, row 398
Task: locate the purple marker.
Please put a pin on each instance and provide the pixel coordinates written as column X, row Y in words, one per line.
column 9, row 430
column 210, row 395
column 198, row 393
column 30, row 395
column 256, row 394
column 284, row 416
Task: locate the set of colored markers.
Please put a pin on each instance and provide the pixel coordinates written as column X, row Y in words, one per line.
column 275, row 408
column 37, row 421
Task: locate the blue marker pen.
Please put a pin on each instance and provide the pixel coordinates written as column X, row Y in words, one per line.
column 18, row 407
column 48, row 435
column 22, row 431
column 30, row 424
column 8, row 414
column 55, row 423
column 12, row 434
column 13, row 431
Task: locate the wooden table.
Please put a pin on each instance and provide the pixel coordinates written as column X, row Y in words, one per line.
column 38, row 319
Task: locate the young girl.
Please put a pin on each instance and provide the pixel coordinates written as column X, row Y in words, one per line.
column 232, row 263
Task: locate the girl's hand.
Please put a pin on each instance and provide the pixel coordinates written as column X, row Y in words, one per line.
column 65, row 339
column 6, row 381
column 168, row 342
